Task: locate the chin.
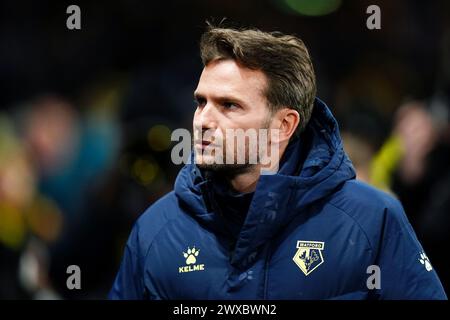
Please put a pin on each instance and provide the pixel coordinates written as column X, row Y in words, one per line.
column 202, row 160
column 229, row 170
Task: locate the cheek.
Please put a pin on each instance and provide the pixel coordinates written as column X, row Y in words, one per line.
column 255, row 121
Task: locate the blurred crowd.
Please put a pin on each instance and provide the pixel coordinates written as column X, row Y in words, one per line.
column 86, row 118
column 72, row 182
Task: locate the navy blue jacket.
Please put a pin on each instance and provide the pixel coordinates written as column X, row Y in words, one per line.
column 316, row 234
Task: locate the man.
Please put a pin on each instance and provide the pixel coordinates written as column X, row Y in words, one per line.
column 309, row 230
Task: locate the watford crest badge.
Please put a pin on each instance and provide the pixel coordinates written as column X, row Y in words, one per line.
column 309, row 255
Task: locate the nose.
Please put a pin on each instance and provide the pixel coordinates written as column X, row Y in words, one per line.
column 205, row 118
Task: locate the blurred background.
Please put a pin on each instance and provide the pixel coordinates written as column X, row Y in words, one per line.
column 86, row 117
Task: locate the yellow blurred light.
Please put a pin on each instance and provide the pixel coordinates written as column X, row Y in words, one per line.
column 12, row 226
column 145, row 171
column 45, row 219
column 159, row 137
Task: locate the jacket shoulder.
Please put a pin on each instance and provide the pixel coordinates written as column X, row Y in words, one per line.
column 154, row 219
column 398, row 250
column 355, row 195
column 371, row 209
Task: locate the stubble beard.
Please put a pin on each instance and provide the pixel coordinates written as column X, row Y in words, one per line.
column 231, row 170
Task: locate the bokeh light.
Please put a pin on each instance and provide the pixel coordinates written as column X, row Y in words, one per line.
column 159, row 137
column 310, row 8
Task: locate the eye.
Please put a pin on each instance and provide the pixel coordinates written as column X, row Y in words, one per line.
column 200, row 102
column 230, row 105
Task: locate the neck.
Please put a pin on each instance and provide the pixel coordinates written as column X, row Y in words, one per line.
column 246, row 182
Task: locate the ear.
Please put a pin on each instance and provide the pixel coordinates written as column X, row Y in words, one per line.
column 288, row 123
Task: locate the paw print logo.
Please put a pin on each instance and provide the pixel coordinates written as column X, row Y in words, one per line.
column 425, row 261
column 246, row 275
column 191, row 255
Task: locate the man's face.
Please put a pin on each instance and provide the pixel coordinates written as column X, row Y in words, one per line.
column 228, row 96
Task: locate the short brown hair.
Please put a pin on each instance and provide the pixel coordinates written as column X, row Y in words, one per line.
column 284, row 59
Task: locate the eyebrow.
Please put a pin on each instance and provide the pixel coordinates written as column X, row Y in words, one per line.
column 198, row 96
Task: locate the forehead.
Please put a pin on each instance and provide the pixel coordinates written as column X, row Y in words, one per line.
column 226, row 77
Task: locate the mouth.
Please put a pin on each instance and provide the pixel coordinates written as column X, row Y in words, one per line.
column 203, row 144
